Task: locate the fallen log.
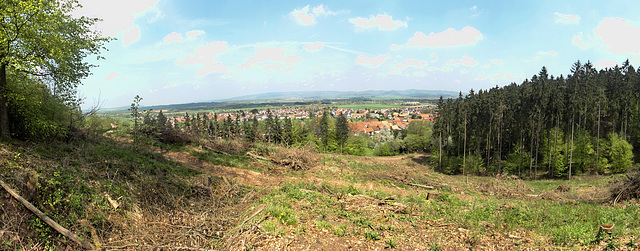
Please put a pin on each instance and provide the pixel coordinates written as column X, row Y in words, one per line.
column 255, row 156
column 83, row 243
column 422, row 186
column 215, row 150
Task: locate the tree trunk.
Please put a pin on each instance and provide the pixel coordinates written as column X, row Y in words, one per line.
column 83, row 243
column 521, row 150
column 555, row 144
column 500, row 145
column 489, row 141
column 537, row 144
column 440, row 155
column 464, row 150
column 4, row 110
column 571, row 148
column 550, row 150
column 531, row 151
column 598, row 142
column 477, row 158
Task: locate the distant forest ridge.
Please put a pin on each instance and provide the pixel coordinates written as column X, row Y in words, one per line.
column 368, row 94
column 302, row 98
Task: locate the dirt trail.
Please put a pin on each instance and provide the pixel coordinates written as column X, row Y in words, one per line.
column 242, row 176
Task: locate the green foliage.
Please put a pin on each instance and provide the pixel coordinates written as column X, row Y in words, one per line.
column 391, row 243
column 340, row 231
column 435, row 247
column 372, row 235
column 35, row 113
column 517, row 161
column 283, row 215
column 553, row 152
column 583, row 153
column 451, row 165
column 342, row 130
column 44, row 40
column 324, row 225
column 418, row 136
column 356, row 145
column 557, row 120
column 619, row 153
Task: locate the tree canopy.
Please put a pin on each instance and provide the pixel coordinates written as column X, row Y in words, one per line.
column 41, row 38
column 558, row 126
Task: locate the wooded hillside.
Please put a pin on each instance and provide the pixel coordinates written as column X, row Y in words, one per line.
column 585, row 122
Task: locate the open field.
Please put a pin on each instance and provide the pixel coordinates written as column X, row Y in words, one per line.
column 189, row 196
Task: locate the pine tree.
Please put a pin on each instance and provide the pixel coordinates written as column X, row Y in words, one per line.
column 342, row 130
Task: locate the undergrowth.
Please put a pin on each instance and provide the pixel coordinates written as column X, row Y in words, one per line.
column 74, row 180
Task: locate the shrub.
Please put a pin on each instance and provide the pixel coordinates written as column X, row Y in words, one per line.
column 619, row 153
column 35, row 113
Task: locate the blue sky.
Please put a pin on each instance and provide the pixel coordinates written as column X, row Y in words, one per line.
column 178, row 51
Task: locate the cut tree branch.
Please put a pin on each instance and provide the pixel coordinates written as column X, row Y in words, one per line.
column 85, row 244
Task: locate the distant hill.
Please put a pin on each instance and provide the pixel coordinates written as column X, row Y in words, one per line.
column 369, row 94
column 299, row 98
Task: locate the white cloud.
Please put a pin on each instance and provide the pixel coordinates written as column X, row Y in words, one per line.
column 476, row 12
column 605, row 63
column 172, row 37
column 271, row 59
column 175, row 37
column 194, row 34
column 465, row 60
column 442, row 69
column 505, row 76
column 619, row 36
column 371, row 62
column 111, row 76
column 121, row 17
column 416, row 64
column 496, row 61
column 541, row 54
column 566, row 18
column 578, row 41
column 411, row 63
column 307, row 16
column 382, row 22
column 206, row 57
column 316, row 46
column 448, row 38
column 131, row 36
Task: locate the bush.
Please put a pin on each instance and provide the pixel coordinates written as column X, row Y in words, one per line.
column 356, row 145
column 619, row 153
column 35, row 113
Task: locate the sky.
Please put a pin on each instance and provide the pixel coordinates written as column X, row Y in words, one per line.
column 183, row 51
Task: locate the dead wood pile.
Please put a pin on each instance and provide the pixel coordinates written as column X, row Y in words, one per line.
column 505, row 188
column 627, row 190
column 226, row 147
column 295, row 158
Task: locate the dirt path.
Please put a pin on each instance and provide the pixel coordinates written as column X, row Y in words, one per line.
column 242, row 176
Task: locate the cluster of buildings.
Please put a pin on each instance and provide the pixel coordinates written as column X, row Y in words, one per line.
column 369, row 121
column 375, row 126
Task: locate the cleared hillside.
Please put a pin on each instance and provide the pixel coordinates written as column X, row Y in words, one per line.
column 214, row 195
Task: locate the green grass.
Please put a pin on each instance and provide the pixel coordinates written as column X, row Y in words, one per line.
column 566, row 224
column 74, row 176
column 239, row 161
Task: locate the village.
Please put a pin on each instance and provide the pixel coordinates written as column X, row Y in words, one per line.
column 361, row 121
